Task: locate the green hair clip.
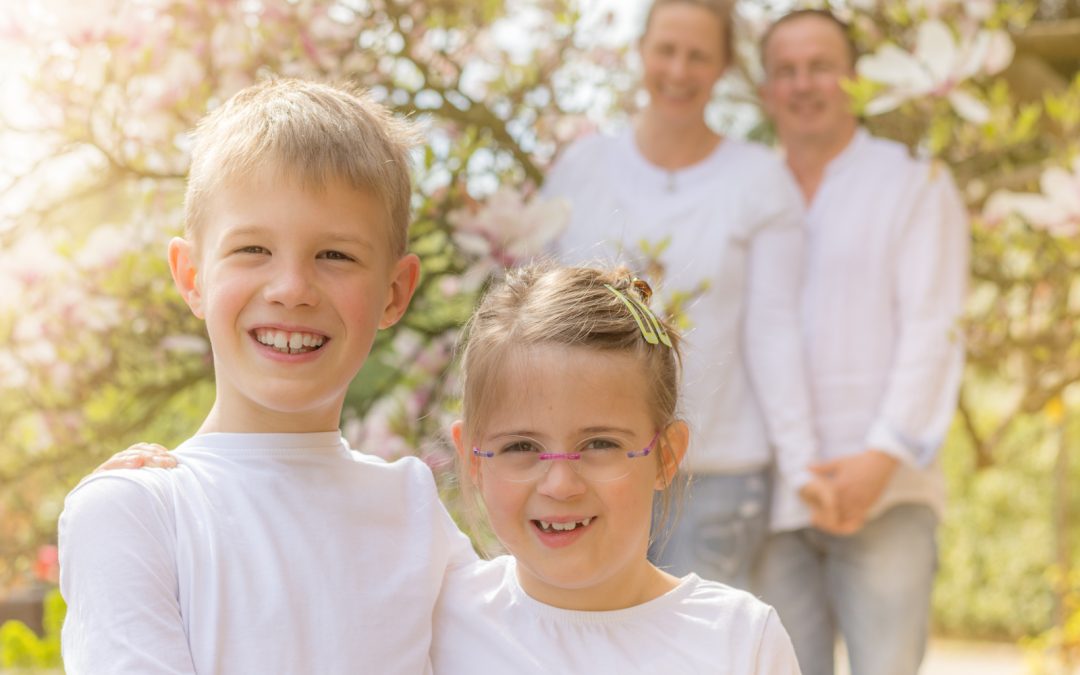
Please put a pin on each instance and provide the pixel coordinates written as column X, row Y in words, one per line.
column 651, row 328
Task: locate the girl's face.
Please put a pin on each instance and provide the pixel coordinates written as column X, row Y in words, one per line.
column 579, row 543
column 682, row 52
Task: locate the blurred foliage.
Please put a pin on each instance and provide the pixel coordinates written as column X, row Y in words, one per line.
column 22, row 650
column 97, row 351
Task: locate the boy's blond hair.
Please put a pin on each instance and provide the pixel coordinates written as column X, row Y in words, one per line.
column 311, row 132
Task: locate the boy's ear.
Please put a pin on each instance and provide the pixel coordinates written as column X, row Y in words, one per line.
column 465, row 456
column 185, row 274
column 674, row 442
column 403, row 281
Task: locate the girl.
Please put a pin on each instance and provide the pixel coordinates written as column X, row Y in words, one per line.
column 569, row 429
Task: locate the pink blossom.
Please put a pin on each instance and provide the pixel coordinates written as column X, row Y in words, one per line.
column 508, row 229
column 47, row 565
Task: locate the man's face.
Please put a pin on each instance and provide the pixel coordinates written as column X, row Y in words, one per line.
column 805, row 60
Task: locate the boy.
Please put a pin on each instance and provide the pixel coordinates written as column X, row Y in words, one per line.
column 273, row 547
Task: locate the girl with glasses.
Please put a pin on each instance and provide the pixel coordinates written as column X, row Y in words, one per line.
column 569, row 428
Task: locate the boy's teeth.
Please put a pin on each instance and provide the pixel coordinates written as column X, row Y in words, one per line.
column 563, row 527
column 289, row 343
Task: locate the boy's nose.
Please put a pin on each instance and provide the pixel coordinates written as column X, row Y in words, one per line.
column 291, row 286
column 561, row 480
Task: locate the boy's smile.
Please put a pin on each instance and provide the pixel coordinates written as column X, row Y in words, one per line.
column 293, row 284
column 289, row 341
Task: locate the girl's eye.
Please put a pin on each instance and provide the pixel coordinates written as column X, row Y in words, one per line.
column 521, row 446
column 257, row 250
column 335, row 255
column 600, row 444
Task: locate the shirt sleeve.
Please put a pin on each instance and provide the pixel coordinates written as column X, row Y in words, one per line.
column 118, row 577
column 460, row 551
column 931, row 276
column 773, row 335
column 776, row 655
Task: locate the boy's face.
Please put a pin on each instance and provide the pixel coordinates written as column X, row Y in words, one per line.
column 293, row 285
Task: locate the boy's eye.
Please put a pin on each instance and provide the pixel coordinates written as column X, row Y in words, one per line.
column 336, row 255
column 258, row 250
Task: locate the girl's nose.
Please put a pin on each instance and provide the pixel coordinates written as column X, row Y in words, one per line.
column 561, row 480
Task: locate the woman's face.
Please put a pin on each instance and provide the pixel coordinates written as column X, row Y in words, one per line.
column 683, row 54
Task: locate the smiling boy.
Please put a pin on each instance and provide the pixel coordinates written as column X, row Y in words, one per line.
column 273, row 547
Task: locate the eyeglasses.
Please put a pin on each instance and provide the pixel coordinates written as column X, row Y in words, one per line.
column 522, row 459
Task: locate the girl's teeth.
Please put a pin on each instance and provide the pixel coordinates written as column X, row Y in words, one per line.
column 563, row 527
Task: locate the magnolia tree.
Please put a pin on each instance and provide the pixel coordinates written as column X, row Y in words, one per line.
column 97, row 351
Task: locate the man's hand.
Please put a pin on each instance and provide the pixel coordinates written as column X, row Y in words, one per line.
column 858, row 481
column 820, row 496
column 139, row 456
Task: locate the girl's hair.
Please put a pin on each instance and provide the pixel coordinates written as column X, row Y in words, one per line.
column 721, row 9
column 546, row 304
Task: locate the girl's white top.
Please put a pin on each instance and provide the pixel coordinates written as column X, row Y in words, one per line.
column 486, row 623
column 728, row 231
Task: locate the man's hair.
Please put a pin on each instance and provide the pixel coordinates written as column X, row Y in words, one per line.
column 311, row 132
column 825, row 15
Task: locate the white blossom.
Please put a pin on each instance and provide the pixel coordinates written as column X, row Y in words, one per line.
column 939, row 64
column 1055, row 210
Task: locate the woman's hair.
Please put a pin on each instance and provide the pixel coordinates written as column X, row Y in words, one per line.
column 546, row 304
column 721, row 9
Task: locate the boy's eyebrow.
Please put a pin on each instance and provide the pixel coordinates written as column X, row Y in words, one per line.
column 332, row 238
column 338, row 238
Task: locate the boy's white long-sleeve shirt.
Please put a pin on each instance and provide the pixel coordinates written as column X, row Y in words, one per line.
column 886, row 279
column 730, row 231
column 260, row 553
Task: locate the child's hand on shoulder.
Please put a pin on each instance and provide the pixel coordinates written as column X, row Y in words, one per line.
column 140, row 456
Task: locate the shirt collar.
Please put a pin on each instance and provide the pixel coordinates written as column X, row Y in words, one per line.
column 850, row 152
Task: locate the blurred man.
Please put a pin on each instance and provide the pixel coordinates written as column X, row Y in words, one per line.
column 886, row 271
